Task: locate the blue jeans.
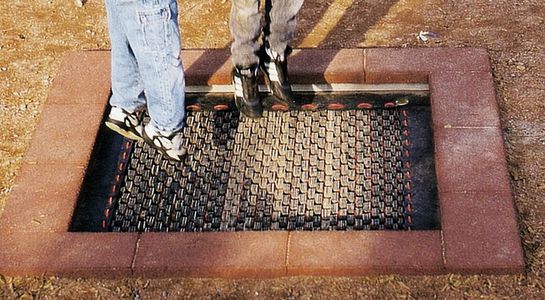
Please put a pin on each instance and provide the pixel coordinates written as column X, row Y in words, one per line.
column 146, row 66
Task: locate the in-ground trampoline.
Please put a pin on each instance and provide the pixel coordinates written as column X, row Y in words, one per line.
column 392, row 163
column 358, row 160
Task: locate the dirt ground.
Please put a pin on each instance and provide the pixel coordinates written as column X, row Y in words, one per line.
column 35, row 34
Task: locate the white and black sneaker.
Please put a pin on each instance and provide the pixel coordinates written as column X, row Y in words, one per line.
column 246, row 91
column 168, row 143
column 275, row 68
column 125, row 123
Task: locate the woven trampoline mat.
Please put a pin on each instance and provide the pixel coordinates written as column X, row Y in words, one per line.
column 293, row 170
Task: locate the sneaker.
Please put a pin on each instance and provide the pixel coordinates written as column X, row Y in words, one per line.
column 246, row 91
column 275, row 69
column 125, row 123
column 168, row 143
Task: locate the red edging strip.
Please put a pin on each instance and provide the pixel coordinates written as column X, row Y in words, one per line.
column 407, row 167
column 126, row 148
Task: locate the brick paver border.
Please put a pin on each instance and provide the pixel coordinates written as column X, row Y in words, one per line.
column 479, row 232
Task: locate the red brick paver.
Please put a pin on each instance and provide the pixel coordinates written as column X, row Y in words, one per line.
column 463, row 99
column 394, row 65
column 82, row 79
column 470, row 159
column 480, row 233
column 42, row 200
column 66, row 133
column 213, row 254
column 74, row 254
column 364, row 253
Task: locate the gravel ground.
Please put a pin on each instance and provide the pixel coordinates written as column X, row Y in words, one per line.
column 35, row 34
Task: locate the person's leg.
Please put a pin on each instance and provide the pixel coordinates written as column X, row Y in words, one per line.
column 127, row 87
column 281, row 16
column 154, row 36
column 245, row 25
column 278, row 31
